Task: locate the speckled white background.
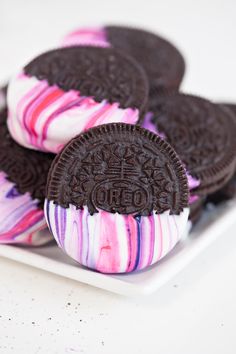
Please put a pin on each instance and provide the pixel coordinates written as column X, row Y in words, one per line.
column 196, row 312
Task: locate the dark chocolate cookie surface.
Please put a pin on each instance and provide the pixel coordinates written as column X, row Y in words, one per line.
column 203, row 135
column 26, row 168
column 229, row 189
column 119, row 168
column 162, row 62
column 102, row 73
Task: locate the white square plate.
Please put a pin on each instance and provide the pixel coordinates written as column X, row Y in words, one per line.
column 50, row 258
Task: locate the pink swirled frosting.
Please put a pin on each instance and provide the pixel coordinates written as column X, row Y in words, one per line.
column 87, row 36
column 44, row 117
column 21, row 221
column 114, row 243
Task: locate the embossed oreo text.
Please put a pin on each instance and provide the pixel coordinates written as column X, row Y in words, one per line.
column 120, row 196
column 122, row 178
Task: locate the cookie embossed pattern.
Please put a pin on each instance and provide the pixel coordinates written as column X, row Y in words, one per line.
column 110, row 174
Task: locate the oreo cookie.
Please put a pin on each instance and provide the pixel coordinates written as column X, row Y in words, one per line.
column 229, row 190
column 121, row 169
column 23, row 175
column 162, row 62
column 203, row 135
column 66, row 91
column 117, row 198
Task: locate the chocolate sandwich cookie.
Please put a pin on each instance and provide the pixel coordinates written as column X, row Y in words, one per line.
column 162, row 62
column 67, row 91
column 229, row 190
column 203, row 135
column 23, row 175
column 117, row 198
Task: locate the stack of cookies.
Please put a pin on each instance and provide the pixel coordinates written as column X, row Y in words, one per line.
column 99, row 146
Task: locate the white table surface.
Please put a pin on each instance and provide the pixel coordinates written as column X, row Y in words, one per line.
column 196, row 312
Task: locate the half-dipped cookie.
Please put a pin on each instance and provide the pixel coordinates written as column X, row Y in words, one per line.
column 202, row 134
column 66, row 91
column 23, row 175
column 117, row 198
column 162, row 62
